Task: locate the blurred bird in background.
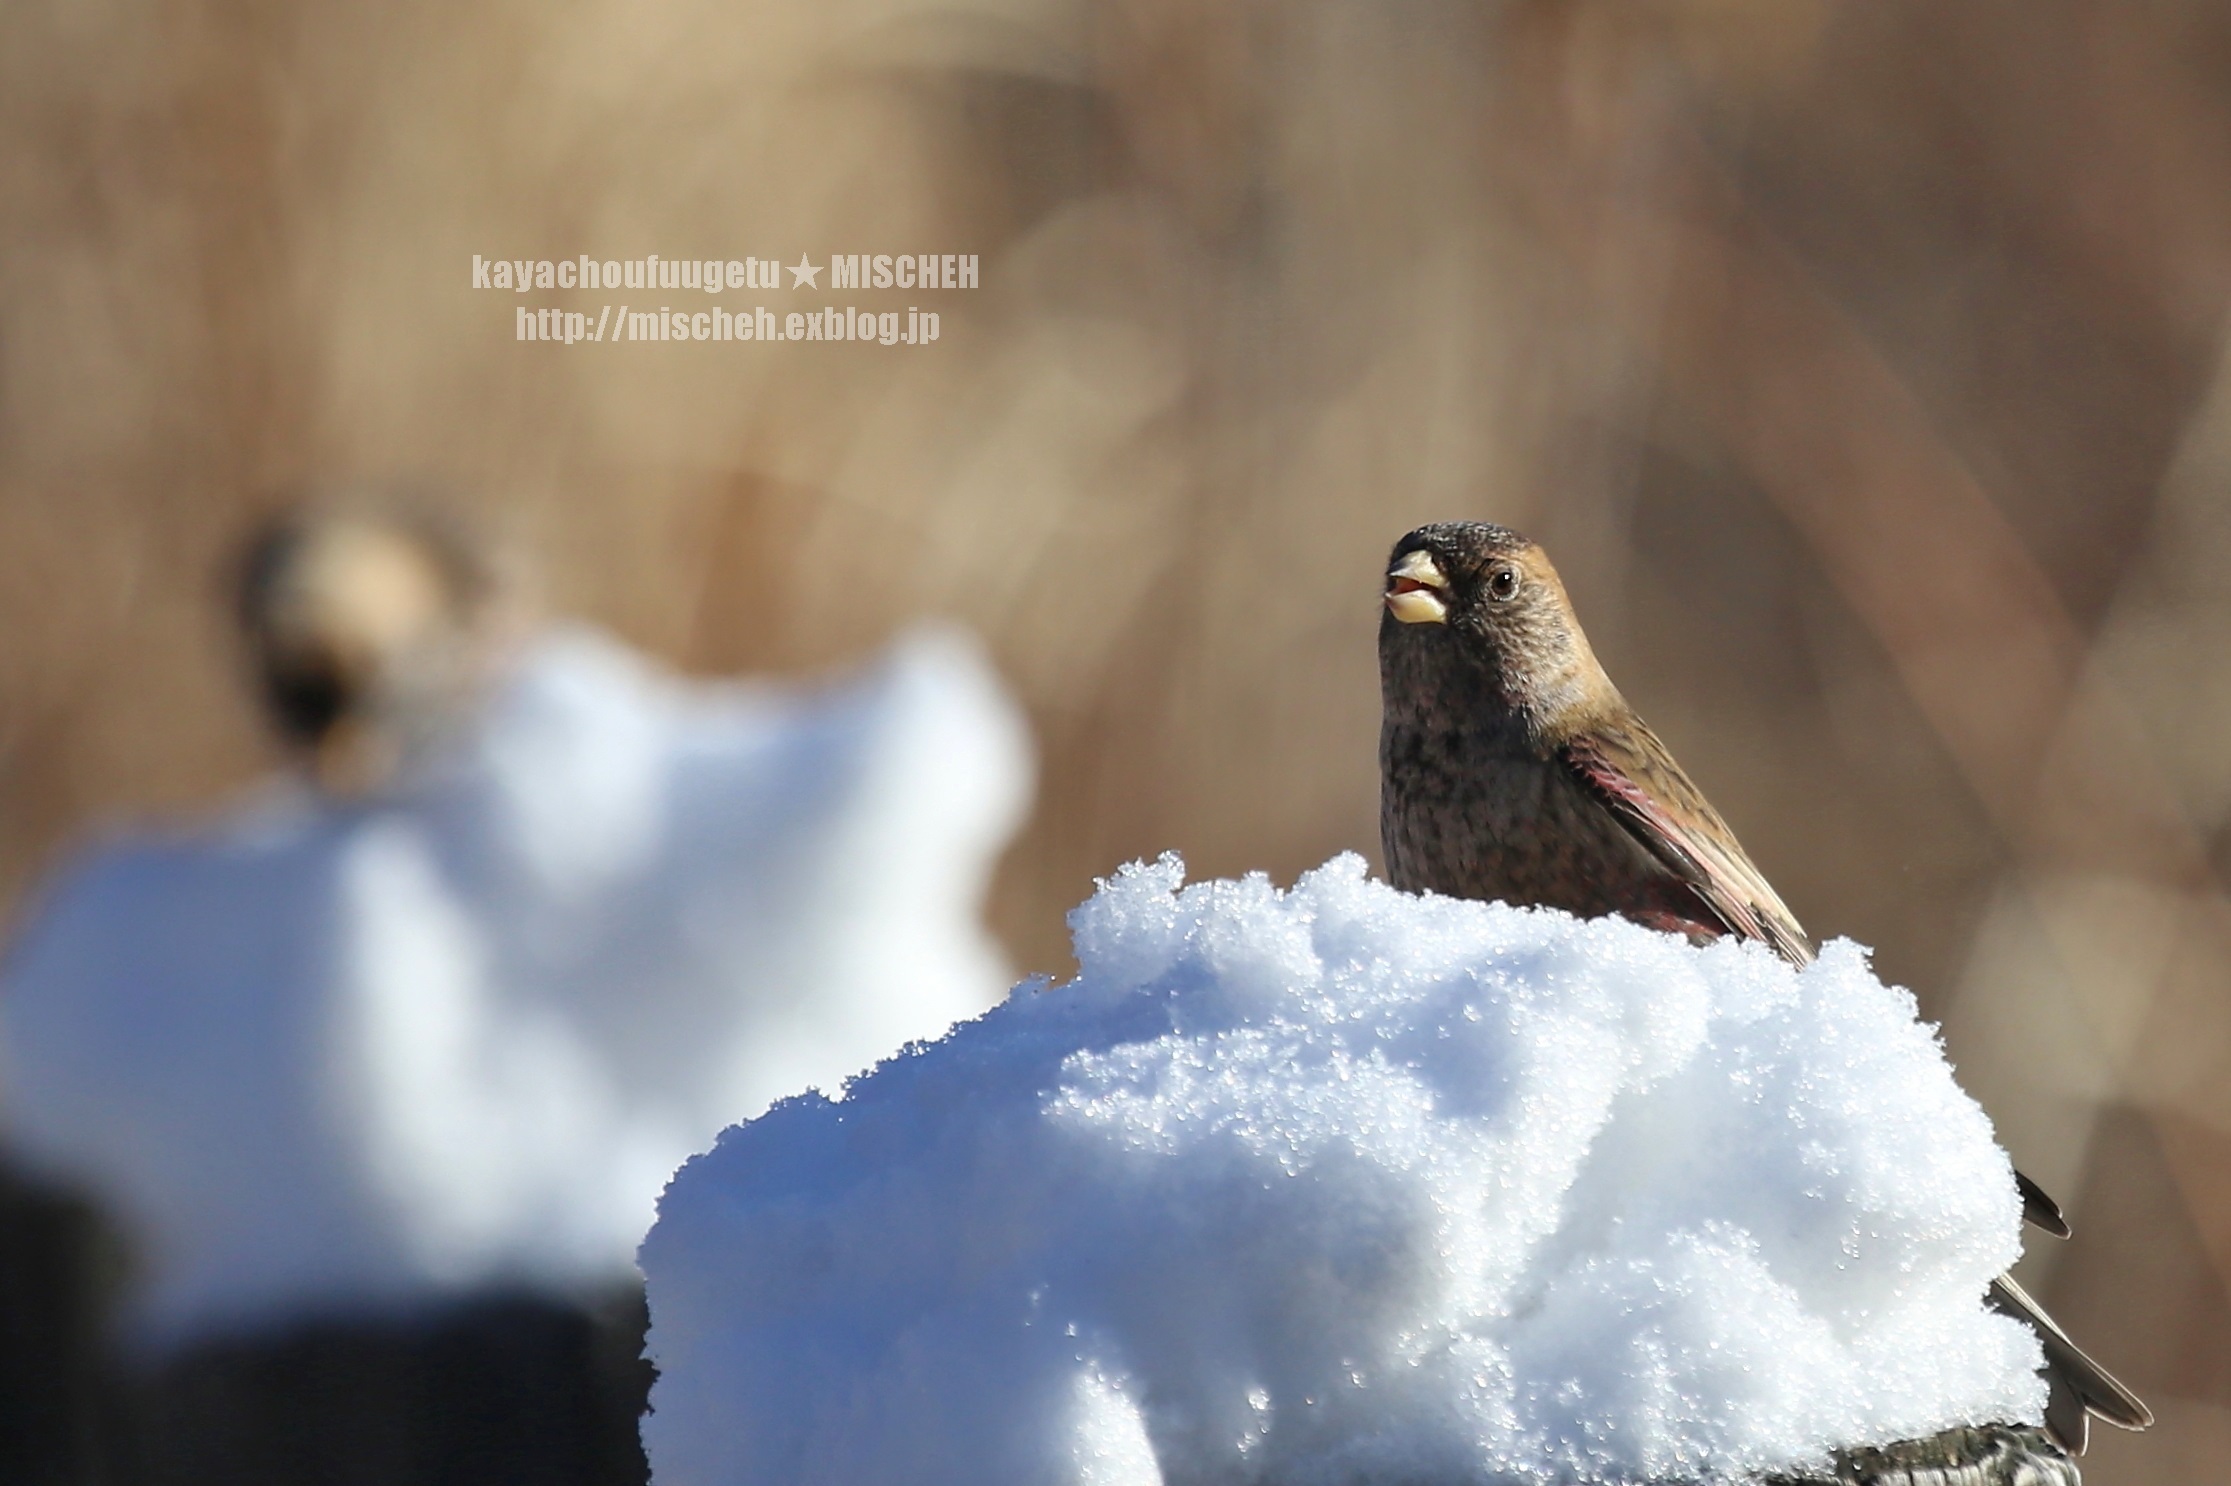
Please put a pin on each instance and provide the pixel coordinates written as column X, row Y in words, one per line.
column 1511, row 768
column 388, row 1072
column 372, row 630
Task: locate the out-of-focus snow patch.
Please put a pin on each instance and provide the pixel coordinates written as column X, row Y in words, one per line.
column 1346, row 1185
column 335, row 1056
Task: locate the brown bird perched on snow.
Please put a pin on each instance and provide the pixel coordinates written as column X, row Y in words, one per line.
column 370, row 630
column 1511, row 768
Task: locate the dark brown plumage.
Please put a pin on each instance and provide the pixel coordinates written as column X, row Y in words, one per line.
column 1511, row 768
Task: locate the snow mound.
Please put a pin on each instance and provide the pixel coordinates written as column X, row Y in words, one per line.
column 1345, row 1185
column 334, row 1056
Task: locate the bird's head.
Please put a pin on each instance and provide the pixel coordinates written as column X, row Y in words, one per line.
column 366, row 630
column 1469, row 599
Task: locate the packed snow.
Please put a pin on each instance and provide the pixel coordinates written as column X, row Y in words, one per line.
column 1341, row 1184
column 332, row 1056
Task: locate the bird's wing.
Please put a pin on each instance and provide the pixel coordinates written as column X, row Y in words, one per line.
column 1628, row 769
column 2039, row 1208
column 1631, row 772
column 1636, row 778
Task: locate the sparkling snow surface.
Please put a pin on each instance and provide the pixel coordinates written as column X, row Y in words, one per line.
column 331, row 1056
column 1346, row 1185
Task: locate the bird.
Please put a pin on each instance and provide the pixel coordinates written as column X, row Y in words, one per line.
column 370, row 627
column 1512, row 769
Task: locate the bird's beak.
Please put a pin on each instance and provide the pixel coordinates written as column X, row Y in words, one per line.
column 1417, row 591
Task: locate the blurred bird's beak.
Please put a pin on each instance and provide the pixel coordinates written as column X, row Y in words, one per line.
column 1417, row 591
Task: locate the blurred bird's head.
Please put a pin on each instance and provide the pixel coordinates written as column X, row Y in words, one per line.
column 370, row 631
column 1480, row 606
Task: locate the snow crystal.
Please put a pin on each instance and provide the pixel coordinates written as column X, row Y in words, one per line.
column 324, row 1056
column 1345, row 1185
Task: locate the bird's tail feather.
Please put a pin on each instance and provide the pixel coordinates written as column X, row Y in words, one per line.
column 2079, row 1386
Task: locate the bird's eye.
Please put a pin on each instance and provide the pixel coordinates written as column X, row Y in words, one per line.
column 1502, row 582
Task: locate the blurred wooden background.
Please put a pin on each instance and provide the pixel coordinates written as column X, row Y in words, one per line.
column 1861, row 363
